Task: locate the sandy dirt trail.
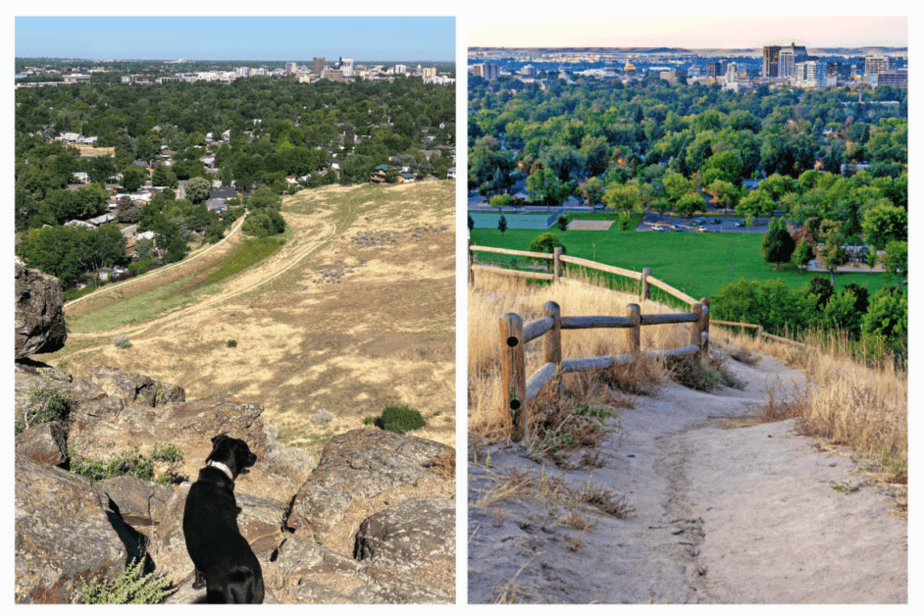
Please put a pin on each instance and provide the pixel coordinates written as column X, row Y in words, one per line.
column 719, row 513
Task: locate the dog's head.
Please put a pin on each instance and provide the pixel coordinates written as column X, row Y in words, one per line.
column 232, row 452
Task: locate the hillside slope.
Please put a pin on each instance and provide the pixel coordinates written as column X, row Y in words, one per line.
column 354, row 311
column 718, row 510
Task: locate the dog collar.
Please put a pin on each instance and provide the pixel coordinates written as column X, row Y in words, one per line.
column 222, row 467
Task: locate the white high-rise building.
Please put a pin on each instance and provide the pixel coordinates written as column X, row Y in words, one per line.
column 347, row 67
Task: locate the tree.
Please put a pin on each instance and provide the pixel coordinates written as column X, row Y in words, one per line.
column 545, row 187
column 547, row 242
column 832, row 255
column 724, row 194
column 883, row 223
column 592, row 191
column 778, row 245
column 895, row 260
column 887, row 317
column 164, row 176
column 198, row 189
column 133, row 178
column 755, row 203
column 502, row 224
column 101, row 247
column 689, row 203
column 127, row 211
column 802, row 255
column 264, row 197
column 822, row 289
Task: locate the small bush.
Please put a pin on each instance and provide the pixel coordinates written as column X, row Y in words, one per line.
column 122, row 342
column 45, row 404
column 232, row 344
column 130, row 588
column 126, row 463
column 401, row 419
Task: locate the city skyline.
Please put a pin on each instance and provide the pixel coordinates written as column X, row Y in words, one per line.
column 691, row 32
column 386, row 39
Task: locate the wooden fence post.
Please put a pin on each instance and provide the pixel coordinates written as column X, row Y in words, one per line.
column 634, row 334
column 646, row 286
column 696, row 328
column 705, row 327
column 556, row 270
column 552, row 340
column 513, row 373
column 471, row 261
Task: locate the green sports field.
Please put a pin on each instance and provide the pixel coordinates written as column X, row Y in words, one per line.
column 696, row 263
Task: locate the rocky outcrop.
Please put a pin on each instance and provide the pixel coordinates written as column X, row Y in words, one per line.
column 362, row 472
column 40, row 326
column 301, row 519
column 62, row 535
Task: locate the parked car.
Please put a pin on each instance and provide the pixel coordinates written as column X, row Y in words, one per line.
column 717, row 221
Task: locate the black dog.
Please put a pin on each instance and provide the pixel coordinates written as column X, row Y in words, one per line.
column 224, row 562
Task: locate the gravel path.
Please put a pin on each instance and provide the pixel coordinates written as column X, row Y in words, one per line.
column 719, row 514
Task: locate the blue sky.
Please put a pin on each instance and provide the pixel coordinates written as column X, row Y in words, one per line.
column 237, row 38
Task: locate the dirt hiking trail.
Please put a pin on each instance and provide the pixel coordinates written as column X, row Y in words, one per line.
column 718, row 513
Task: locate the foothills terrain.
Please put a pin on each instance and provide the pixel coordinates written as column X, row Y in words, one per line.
column 354, row 311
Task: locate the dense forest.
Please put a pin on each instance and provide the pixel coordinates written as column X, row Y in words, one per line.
column 257, row 130
column 833, row 160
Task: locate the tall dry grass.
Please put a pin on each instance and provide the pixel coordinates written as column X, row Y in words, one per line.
column 851, row 399
column 496, row 295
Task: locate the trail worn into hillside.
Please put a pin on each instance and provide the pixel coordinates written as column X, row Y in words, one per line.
column 716, row 512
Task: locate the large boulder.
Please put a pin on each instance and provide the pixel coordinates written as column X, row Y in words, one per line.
column 136, row 388
column 312, row 573
column 62, row 535
column 360, row 473
column 416, row 537
column 40, row 326
column 101, row 428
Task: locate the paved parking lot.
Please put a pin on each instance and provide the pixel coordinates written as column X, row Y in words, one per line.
column 712, row 224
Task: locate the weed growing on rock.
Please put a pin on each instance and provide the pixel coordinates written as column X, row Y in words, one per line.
column 129, row 462
column 130, row 588
column 45, row 404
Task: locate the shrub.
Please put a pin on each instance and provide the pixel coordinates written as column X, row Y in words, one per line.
column 122, row 342
column 401, row 419
column 232, row 344
column 130, row 588
column 45, row 404
column 126, row 463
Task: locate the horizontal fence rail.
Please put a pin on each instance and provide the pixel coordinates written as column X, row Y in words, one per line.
column 644, row 277
column 520, row 390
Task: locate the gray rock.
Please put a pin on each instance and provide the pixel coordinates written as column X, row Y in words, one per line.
column 402, row 535
column 322, row 417
column 136, row 388
column 61, row 535
column 44, row 443
column 361, row 472
column 39, row 324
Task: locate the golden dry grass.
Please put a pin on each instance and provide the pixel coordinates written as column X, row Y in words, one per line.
column 384, row 334
column 494, row 296
column 846, row 403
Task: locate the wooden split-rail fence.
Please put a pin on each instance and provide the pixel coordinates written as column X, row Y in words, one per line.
column 514, row 335
column 520, row 390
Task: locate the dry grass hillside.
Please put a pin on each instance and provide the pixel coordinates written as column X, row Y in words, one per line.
column 356, row 310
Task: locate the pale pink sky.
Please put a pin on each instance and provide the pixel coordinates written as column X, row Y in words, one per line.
column 693, row 32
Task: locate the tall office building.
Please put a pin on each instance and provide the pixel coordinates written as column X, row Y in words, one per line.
column 290, row 68
column 876, row 64
column 318, row 66
column 716, row 69
column 772, row 58
column 346, row 65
